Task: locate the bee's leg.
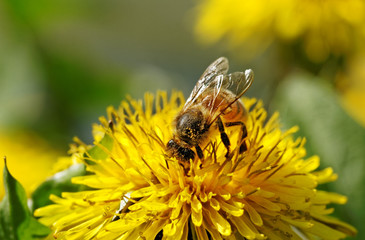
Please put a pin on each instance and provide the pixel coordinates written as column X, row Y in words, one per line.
column 224, row 135
column 243, row 146
column 199, row 151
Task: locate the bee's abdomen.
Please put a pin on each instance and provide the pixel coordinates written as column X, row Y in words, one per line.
column 235, row 112
column 231, row 108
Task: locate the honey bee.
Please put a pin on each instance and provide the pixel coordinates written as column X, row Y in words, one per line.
column 215, row 100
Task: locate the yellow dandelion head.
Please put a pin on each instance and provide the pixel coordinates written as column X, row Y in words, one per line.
column 138, row 191
column 322, row 28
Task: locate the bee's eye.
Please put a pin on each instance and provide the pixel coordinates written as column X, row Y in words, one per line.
column 171, row 144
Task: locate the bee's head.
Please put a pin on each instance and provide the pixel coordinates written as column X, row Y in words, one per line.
column 174, row 149
column 190, row 126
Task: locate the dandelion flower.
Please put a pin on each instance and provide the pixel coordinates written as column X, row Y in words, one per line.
column 138, row 192
column 320, row 28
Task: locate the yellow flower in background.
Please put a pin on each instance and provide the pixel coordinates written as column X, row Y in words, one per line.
column 321, row 27
column 351, row 83
column 29, row 158
column 268, row 191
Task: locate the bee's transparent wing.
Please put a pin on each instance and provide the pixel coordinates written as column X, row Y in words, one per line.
column 211, row 78
column 214, row 82
column 234, row 85
column 238, row 82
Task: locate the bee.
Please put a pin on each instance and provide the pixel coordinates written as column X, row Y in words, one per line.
column 214, row 103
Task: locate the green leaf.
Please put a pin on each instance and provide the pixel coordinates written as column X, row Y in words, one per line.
column 313, row 105
column 16, row 221
column 98, row 152
column 58, row 183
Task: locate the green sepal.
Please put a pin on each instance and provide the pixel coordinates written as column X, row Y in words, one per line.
column 58, row 183
column 16, row 221
column 98, row 151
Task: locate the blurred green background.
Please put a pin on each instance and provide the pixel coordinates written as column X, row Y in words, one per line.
column 63, row 62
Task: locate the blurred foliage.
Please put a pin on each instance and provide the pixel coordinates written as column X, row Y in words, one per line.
column 63, row 62
column 311, row 103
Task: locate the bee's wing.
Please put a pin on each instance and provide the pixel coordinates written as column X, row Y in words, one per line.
column 211, row 78
column 236, row 84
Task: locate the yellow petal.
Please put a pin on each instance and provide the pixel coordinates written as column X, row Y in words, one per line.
column 325, row 232
column 254, row 216
column 245, row 228
column 336, row 224
column 310, row 164
column 219, row 222
column 196, row 204
column 197, row 218
column 176, row 209
column 214, row 203
column 325, row 175
column 265, row 203
column 231, row 209
column 170, row 229
column 156, row 189
column 323, row 197
column 153, row 229
column 181, row 225
column 127, row 223
column 149, row 206
column 305, row 181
